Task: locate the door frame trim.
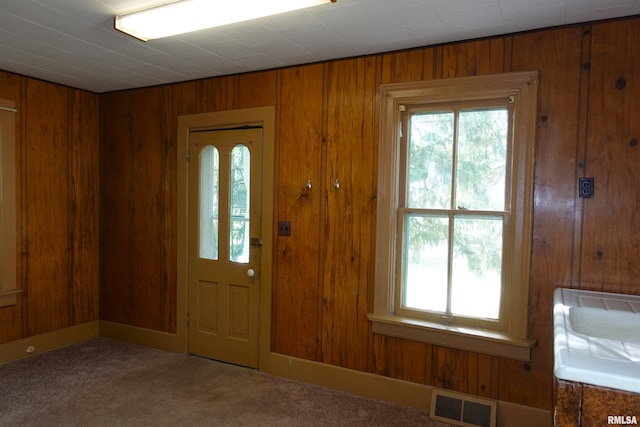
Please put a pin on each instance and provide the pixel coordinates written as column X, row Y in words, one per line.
column 260, row 116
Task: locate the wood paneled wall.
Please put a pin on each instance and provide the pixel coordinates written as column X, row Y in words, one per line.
column 57, row 209
column 139, row 188
column 327, row 129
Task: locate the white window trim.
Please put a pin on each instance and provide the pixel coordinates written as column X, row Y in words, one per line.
column 8, row 276
column 513, row 342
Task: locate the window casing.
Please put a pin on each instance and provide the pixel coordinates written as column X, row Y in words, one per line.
column 434, row 265
column 8, row 282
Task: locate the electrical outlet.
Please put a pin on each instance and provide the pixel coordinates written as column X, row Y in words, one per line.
column 284, row 228
column 586, row 187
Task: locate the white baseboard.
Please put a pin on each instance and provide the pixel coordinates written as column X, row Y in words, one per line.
column 18, row 349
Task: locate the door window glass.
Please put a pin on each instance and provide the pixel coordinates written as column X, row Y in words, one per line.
column 239, row 204
column 209, row 202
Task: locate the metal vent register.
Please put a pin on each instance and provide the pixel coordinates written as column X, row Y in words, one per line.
column 462, row 409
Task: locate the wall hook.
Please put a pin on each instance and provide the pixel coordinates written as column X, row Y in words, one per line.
column 308, row 185
column 336, row 185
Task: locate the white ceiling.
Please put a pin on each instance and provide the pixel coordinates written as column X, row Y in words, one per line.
column 73, row 42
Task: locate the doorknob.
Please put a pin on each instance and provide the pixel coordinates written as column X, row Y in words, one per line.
column 250, row 272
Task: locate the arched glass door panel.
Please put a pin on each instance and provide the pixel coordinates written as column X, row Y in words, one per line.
column 239, row 205
column 209, row 202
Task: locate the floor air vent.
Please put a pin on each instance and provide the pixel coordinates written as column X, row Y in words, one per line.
column 463, row 410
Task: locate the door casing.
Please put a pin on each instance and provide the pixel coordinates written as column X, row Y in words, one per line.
column 260, row 116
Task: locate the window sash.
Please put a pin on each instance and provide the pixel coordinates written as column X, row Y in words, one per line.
column 403, row 212
column 447, row 316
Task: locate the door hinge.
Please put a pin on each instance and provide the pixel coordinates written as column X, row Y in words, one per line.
column 188, row 154
column 187, row 319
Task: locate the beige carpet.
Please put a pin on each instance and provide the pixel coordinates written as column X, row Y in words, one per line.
column 103, row 382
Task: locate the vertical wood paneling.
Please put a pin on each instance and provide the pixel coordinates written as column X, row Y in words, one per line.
column 395, row 357
column 611, row 238
column 57, row 213
column 581, row 148
column 145, row 205
column 402, row 359
column 229, row 84
column 407, row 66
column 178, row 99
column 474, row 58
column 84, row 227
column 48, row 244
column 349, row 211
column 181, row 99
column 571, row 114
column 11, row 318
column 139, row 208
column 482, row 373
column 139, row 190
column 115, row 160
column 296, row 288
column 256, row 89
column 326, row 130
column 212, row 94
column 173, row 107
column 556, row 54
column 449, row 369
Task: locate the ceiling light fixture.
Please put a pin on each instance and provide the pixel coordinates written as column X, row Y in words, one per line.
column 193, row 15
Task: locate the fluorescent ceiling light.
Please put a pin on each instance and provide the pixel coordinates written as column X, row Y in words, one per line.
column 193, row 15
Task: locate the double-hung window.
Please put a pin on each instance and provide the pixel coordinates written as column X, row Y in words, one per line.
column 454, row 213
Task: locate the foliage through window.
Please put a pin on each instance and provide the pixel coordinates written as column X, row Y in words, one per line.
column 209, row 202
column 454, row 213
column 239, row 202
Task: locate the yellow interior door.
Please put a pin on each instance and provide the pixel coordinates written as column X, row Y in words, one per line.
column 224, row 244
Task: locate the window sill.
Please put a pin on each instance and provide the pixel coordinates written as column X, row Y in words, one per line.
column 463, row 338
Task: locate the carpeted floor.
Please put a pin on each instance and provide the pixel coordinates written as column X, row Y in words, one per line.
column 103, row 382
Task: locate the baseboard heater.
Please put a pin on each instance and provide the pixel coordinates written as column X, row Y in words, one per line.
column 463, row 410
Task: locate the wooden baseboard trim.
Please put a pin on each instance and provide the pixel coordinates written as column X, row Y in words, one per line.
column 142, row 336
column 389, row 389
column 356, row 382
column 512, row 414
column 15, row 350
